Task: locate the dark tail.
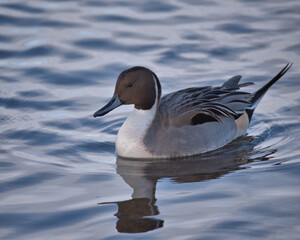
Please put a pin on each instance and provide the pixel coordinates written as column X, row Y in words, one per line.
column 261, row 92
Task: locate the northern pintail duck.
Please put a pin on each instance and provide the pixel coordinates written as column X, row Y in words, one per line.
column 183, row 123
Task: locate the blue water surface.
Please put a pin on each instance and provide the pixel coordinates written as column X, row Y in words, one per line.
column 59, row 175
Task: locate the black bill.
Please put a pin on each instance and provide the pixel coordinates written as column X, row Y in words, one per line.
column 113, row 103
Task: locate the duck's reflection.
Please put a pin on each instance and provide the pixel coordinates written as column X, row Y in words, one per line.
column 136, row 215
column 133, row 215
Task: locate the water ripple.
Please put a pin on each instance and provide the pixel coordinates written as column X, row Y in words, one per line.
column 27, row 181
column 32, row 93
column 294, row 48
column 45, row 220
column 24, row 8
column 108, row 45
column 17, row 103
column 40, row 51
column 236, row 28
column 52, row 76
column 6, row 38
column 34, row 22
column 33, row 137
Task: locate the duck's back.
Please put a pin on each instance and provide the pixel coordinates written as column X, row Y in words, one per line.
column 197, row 120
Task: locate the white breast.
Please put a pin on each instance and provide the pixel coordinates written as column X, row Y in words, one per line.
column 130, row 136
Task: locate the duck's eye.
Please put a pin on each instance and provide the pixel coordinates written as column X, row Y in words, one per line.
column 129, row 85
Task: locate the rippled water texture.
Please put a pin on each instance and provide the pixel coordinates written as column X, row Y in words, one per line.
column 60, row 178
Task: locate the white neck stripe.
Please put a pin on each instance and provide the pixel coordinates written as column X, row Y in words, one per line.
column 156, row 91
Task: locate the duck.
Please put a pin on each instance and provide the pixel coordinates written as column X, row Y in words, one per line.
column 183, row 123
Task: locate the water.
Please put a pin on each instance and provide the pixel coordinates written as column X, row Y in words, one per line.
column 60, row 178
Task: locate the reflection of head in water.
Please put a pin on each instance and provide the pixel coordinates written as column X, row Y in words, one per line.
column 131, row 215
column 142, row 175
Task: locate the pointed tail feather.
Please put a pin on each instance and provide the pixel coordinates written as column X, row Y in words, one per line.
column 257, row 96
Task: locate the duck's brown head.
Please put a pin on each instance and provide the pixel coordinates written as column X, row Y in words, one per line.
column 138, row 85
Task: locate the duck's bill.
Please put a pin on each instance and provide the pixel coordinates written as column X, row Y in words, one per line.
column 113, row 103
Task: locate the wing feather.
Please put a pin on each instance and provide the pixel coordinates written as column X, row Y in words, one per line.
column 182, row 106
